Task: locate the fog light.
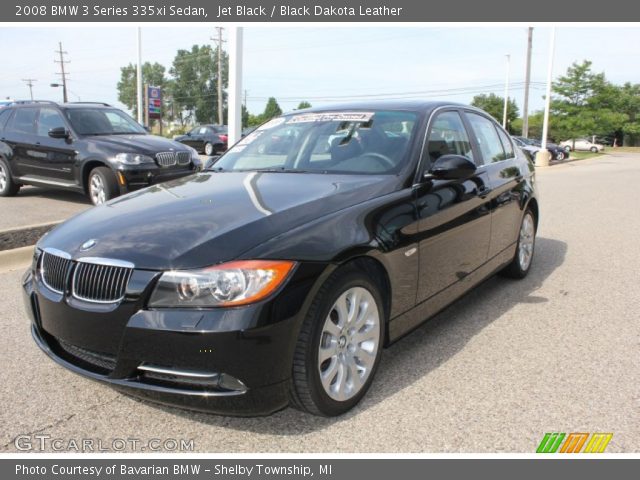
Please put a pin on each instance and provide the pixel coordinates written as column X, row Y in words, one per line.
column 231, row 383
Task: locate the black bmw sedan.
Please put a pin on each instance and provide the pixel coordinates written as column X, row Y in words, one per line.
column 277, row 276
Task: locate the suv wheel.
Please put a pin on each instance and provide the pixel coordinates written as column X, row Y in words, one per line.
column 102, row 185
column 594, row 149
column 8, row 188
column 208, row 149
column 339, row 345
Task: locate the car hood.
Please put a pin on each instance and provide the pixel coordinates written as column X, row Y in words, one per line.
column 138, row 143
column 210, row 217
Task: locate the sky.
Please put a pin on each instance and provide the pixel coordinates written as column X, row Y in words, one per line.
column 325, row 65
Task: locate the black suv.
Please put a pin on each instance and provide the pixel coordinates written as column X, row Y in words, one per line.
column 87, row 147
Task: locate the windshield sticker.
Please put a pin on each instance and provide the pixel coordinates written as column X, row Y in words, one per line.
column 274, row 122
column 332, row 117
column 249, row 138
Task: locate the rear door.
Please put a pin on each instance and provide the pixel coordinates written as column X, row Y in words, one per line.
column 455, row 220
column 20, row 136
column 505, row 179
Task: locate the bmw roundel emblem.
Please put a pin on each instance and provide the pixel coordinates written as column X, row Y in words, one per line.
column 89, row 244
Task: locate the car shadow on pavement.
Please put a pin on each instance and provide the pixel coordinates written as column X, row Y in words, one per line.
column 54, row 194
column 417, row 354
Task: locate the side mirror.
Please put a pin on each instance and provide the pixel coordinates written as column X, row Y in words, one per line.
column 147, row 128
column 59, row 132
column 188, row 134
column 451, row 167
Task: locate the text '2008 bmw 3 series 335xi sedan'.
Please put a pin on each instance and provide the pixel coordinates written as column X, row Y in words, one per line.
column 276, row 276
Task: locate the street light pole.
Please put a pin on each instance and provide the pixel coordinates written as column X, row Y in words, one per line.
column 527, row 81
column 506, row 93
column 543, row 155
column 235, row 85
column 139, row 77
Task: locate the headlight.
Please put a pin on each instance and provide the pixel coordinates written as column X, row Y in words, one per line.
column 133, row 158
column 228, row 284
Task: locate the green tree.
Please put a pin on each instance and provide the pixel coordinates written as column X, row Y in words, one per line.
column 195, row 83
column 304, row 104
column 152, row 74
column 494, row 105
column 271, row 110
column 584, row 104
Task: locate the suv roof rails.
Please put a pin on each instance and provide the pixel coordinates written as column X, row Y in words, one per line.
column 27, row 102
column 92, row 103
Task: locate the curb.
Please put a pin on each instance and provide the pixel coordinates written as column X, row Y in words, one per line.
column 16, row 258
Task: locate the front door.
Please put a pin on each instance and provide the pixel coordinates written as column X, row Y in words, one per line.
column 455, row 220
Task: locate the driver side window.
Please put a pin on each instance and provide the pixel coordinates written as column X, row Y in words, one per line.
column 448, row 136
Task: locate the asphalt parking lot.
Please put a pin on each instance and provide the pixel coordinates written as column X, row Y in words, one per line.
column 556, row 352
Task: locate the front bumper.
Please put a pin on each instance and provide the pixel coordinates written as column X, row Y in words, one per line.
column 114, row 344
column 131, row 178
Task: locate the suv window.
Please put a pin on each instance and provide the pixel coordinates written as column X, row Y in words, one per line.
column 24, row 121
column 448, row 137
column 4, row 116
column 49, row 118
column 487, row 138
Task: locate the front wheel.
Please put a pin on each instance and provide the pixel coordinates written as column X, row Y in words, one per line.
column 208, row 149
column 560, row 156
column 339, row 346
column 521, row 263
column 594, row 149
column 102, row 185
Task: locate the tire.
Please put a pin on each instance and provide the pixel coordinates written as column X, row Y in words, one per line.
column 208, row 149
column 521, row 263
column 351, row 354
column 594, row 149
column 560, row 155
column 102, row 185
column 567, row 148
column 8, row 188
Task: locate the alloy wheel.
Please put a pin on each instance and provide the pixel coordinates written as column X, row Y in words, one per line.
column 349, row 344
column 96, row 189
column 208, row 149
column 526, row 243
column 3, row 178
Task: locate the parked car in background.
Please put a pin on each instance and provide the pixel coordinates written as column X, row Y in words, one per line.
column 314, row 242
column 529, row 149
column 207, row 139
column 582, row 144
column 556, row 151
column 91, row 148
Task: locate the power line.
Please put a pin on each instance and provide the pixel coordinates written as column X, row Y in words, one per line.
column 29, row 82
column 62, row 73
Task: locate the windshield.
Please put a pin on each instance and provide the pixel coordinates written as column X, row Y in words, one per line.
column 326, row 142
column 102, row 121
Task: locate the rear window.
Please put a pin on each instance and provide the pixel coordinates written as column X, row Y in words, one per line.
column 24, row 121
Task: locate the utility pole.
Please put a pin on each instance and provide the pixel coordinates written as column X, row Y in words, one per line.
column 245, row 98
column 527, row 81
column 62, row 73
column 29, row 82
column 506, row 94
column 219, row 41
